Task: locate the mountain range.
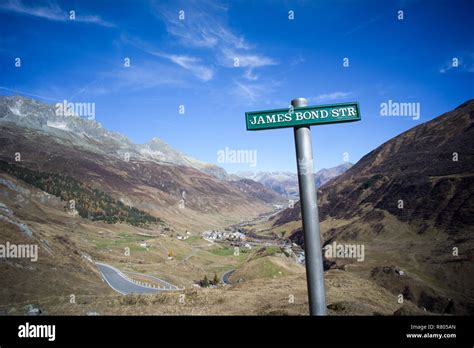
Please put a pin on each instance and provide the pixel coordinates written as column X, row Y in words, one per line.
column 286, row 183
column 152, row 177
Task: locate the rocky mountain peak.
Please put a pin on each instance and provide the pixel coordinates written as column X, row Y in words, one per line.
column 83, row 131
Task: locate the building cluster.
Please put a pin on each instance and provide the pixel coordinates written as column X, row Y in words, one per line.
column 215, row 235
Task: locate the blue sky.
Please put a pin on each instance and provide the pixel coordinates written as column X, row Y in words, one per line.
column 190, row 62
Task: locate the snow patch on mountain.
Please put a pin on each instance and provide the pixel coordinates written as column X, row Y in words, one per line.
column 16, row 111
column 147, row 152
column 58, row 125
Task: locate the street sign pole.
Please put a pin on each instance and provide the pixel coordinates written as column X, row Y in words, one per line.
column 300, row 117
column 310, row 216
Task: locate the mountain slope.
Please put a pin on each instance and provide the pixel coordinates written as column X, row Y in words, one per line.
column 85, row 132
column 429, row 167
column 410, row 202
column 153, row 177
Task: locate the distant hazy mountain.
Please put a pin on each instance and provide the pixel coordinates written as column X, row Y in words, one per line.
column 283, row 183
column 286, row 183
column 410, row 202
column 324, row 175
column 153, row 177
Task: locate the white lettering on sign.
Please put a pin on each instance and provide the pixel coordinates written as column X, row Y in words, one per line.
column 307, row 115
column 274, row 118
column 304, row 115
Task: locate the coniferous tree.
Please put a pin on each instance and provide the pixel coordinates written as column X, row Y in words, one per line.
column 205, row 282
column 215, row 281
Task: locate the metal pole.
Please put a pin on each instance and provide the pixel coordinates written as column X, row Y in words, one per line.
column 310, row 216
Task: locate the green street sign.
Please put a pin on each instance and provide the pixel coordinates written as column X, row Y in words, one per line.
column 302, row 116
column 297, row 116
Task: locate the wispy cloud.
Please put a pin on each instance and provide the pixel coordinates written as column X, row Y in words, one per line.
column 52, row 12
column 135, row 79
column 249, row 61
column 329, row 97
column 193, row 64
column 252, row 91
column 363, row 25
column 139, row 77
column 204, row 27
column 200, row 26
column 245, row 60
column 84, row 89
column 21, row 92
column 190, row 63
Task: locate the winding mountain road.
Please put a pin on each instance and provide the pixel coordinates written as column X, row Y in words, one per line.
column 118, row 281
column 226, row 275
